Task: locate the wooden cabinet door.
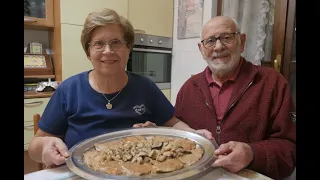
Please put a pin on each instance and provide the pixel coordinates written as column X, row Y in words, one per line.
column 152, row 16
column 76, row 11
column 31, row 107
column 284, row 42
column 289, row 55
column 38, row 13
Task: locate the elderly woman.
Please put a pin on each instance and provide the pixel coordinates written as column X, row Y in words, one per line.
column 104, row 99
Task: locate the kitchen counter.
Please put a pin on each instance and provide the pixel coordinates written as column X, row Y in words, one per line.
column 63, row 173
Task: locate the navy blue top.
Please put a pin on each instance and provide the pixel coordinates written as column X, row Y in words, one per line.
column 77, row 112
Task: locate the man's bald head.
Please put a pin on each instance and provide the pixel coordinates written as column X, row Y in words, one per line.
column 218, row 22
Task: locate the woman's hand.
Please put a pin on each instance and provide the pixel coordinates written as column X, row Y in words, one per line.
column 54, row 152
column 205, row 133
column 146, row 124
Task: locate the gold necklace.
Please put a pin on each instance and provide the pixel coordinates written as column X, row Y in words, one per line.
column 109, row 105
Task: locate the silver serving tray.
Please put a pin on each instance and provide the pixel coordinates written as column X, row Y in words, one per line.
column 76, row 165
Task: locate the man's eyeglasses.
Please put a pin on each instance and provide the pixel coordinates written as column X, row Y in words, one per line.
column 224, row 38
column 99, row 46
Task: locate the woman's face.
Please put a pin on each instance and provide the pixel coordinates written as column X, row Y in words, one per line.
column 108, row 52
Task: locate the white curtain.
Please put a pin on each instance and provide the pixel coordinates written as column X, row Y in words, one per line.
column 256, row 18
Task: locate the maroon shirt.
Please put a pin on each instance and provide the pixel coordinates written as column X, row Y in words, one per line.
column 221, row 95
column 258, row 113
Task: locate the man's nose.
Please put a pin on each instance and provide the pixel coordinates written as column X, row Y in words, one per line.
column 218, row 46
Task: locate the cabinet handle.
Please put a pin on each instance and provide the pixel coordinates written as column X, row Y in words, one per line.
column 34, row 103
column 29, row 20
column 29, row 126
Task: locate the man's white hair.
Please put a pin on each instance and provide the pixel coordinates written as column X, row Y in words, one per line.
column 234, row 21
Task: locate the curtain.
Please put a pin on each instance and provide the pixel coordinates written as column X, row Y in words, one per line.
column 256, row 18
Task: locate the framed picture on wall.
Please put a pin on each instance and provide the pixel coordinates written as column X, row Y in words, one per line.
column 190, row 17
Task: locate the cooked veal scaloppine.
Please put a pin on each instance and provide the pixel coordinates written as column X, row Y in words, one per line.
column 137, row 155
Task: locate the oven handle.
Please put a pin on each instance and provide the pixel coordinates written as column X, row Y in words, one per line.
column 152, row 50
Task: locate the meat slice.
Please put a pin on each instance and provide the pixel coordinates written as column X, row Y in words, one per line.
column 92, row 158
column 134, row 139
column 195, row 155
column 108, row 145
column 96, row 161
column 184, row 143
column 136, row 169
column 168, row 165
column 111, row 167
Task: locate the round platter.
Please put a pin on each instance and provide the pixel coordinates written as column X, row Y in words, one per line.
column 76, row 165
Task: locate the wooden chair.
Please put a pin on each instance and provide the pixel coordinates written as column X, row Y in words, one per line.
column 36, row 119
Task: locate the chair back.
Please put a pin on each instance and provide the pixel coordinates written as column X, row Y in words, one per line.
column 36, row 119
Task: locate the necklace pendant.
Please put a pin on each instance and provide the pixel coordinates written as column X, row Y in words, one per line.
column 109, row 106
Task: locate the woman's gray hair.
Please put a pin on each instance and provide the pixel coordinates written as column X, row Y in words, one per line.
column 102, row 18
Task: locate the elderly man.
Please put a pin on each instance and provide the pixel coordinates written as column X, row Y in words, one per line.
column 247, row 108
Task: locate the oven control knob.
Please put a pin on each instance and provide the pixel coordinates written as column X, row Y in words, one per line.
column 151, row 41
column 160, row 42
column 141, row 40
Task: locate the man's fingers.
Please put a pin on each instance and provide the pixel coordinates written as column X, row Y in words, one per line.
column 222, row 161
column 223, row 149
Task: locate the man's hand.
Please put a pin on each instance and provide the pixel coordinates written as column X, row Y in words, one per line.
column 234, row 156
column 146, row 124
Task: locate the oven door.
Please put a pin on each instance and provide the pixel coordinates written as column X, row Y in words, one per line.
column 152, row 63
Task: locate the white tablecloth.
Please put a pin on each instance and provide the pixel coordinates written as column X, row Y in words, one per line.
column 63, row 173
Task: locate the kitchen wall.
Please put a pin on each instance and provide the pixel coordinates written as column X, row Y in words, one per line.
column 186, row 58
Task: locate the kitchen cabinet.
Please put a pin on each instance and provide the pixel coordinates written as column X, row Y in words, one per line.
column 31, row 107
column 75, row 11
column 155, row 17
column 38, row 13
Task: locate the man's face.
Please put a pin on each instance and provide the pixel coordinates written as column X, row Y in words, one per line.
column 223, row 55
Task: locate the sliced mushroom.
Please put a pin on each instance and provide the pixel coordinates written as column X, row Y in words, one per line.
column 126, row 157
column 134, row 159
column 153, row 154
column 139, row 160
column 156, row 145
column 133, row 152
column 140, row 145
column 161, row 158
column 168, row 154
column 179, row 149
column 142, row 153
column 167, row 148
column 146, row 159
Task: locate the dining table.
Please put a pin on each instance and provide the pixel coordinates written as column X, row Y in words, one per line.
column 218, row 173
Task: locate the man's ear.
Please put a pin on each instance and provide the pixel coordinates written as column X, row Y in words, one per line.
column 243, row 39
column 200, row 47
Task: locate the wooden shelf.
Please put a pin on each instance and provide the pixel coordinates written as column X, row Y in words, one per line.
column 40, row 77
column 34, row 94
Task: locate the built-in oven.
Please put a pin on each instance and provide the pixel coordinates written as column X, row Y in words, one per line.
column 151, row 57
